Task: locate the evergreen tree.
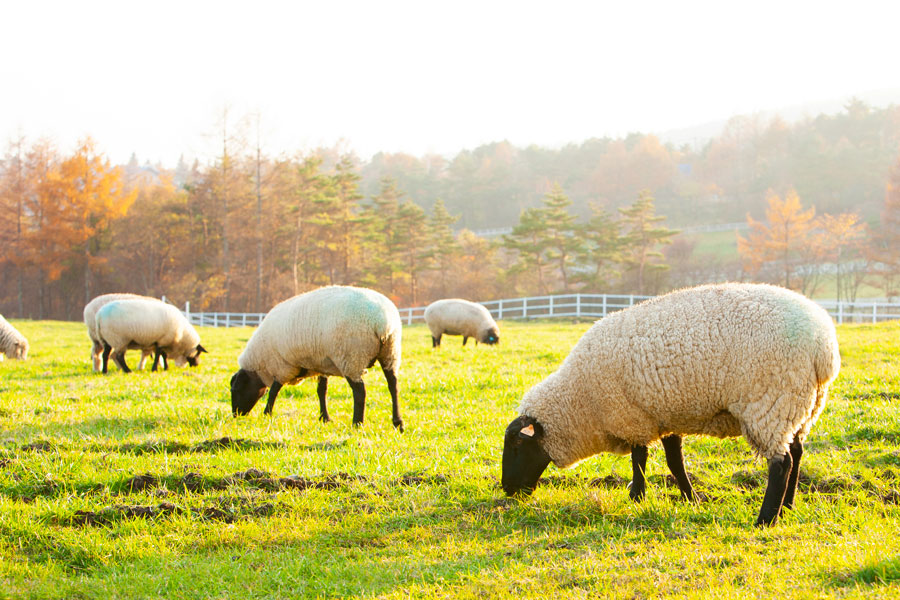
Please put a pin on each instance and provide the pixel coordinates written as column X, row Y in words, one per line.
column 411, row 243
column 443, row 245
column 530, row 244
column 601, row 250
column 642, row 238
column 563, row 240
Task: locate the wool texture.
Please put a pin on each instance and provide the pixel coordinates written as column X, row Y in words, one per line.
column 722, row 360
column 335, row 330
column 455, row 316
column 90, row 320
column 140, row 323
column 12, row 343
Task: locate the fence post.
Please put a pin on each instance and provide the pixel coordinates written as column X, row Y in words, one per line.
column 874, row 311
column 524, row 308
column 840, row 312
column 578, row 305
column 603, row 311
column 187, row 310
column 631, row 300
column 551, row 306
column 409, row 317
column 500, row 316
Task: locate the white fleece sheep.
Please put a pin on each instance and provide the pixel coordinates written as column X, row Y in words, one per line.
column 147, row 324
column 721, row 360
column 455, row 316
column 12, row 343
column 90, row 314
column 336, row 330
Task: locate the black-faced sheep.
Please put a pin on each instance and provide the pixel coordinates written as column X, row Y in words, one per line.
column 90, row 320
column 334, row 330
column 455, row 316
column 720, row 360
column 148, row 325
column 12, row 343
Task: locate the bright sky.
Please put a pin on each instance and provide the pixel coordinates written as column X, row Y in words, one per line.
column 422, row 76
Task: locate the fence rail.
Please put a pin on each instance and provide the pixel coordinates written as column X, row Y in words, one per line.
column 587, row 306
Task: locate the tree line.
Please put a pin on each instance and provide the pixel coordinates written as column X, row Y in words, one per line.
column 247, row 230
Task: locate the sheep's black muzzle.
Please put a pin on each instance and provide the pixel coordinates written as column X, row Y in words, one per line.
column 524, row 458
column 246, row 390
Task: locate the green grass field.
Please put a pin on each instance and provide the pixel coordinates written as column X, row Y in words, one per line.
column 144, row 486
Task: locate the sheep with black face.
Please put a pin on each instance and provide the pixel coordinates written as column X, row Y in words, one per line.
column 454, row 316
column 721, row 360
column 331, row 331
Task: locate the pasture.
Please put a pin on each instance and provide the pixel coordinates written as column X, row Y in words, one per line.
column 144, row 486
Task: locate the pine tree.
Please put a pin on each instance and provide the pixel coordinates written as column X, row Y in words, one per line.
column 531, row 244
column 601, row 250
column 443, row 247
column 642, row 238
column 563, row 240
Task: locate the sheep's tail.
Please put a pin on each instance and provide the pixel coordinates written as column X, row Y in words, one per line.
column 389, row 355
column 827, row 363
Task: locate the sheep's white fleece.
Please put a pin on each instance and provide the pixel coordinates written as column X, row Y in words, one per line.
column 90, row 320
column 455, row 316
column 335, row 330
column 140, row 323
column 12, row 343
column 721, row 360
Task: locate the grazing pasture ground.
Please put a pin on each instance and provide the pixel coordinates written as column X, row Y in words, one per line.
column 144, row 486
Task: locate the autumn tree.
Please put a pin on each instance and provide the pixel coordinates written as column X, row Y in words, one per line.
column 885, row 248
column 782, row 241
column 381, row 237
column 641, row 240
column 842, row 240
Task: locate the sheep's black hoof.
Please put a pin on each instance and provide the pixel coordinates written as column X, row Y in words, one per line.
column 636, row 492
column 324, row 418
column 399, row 425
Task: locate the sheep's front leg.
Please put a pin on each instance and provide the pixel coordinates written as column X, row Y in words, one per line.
column 273, row 393
column 157, row 353
column 675, row 460
column 796, row 454
column 321, row 389
column 638, row 465
column 436, row 341
column 465, row 339
column 96, row 351
column 395, row 402
column 779, row 473
column 144, row 356
column 359, row 400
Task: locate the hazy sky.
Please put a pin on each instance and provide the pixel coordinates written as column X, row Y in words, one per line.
column 153, row 77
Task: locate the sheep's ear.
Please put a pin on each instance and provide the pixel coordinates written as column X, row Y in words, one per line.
column 527, row 431
column 201, row 349
column 532, row 431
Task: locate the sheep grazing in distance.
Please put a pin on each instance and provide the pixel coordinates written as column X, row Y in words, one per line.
column 335, row 330
column 455, row 316
column 12, row 343
column 148, row 325
column 90, row 314
column 721, row 360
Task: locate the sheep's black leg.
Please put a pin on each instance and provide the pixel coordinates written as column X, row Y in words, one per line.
column 273, row 393
column 156, row 354
column 359, row 400
column 435, row 341
column 465, row 339
column 106, row 350
column 779, row 472
column 321, row 388
column 638, row 464
column 675, row 460
column 395, row 403
column 165, row 362
column 119, row 357
column 796, row 454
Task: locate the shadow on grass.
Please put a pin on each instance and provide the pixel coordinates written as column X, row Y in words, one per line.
column 881, row 573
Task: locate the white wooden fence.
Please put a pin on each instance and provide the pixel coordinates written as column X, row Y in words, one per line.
column 588, row 306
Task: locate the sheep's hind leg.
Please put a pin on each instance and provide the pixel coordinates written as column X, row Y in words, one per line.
column 465, row 339
column 435, row 341
column 321, row 389
column 796, row 453
column 638, row 465
column 96, row 350
column 359, row 400
column 156, row 354
column 119, row 358
column 273, row 393
column 779, row 472
column 395, row 402
column 675, row 460
column 106, row 350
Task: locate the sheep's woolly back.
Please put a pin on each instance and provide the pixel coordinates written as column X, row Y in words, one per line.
column 12, row 343
column 455, row 316
column 91, row 308
column 140, row 323
column 335, row 330
column 721, row 360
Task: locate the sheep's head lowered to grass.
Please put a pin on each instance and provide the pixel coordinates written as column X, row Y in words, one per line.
column 246, row 390
column 524, row 457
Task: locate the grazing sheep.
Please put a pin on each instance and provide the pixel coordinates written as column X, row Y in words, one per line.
column 12, row 343
column 334, row 330
column 455, row 316
column 90, row 314
column 720, row 360
column 147, row 324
